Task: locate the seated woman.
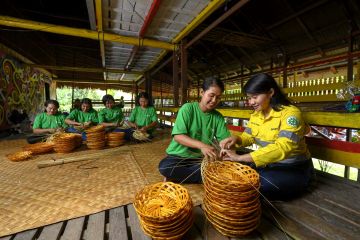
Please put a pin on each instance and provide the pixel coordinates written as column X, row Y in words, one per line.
column 47, row 122
column 81, row 119
column 76, row 105
column 143, row 117
column 283, row 160
column 196, row 128
column 112, row 116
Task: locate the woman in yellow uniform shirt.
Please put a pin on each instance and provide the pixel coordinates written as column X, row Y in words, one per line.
column 277, row 127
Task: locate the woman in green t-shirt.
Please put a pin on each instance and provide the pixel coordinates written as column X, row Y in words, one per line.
column 143, row 116
column 83, row 118
column 112, row 116
column 198, row 128
column 47, row 122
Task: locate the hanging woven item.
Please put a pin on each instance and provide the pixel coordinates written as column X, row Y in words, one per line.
column 231, row 199
column 164, row 210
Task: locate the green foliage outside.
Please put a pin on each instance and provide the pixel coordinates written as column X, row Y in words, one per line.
column 64, row 96
column 334, row 168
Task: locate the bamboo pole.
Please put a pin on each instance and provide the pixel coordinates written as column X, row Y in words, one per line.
column 84, row 33
column 91, row 156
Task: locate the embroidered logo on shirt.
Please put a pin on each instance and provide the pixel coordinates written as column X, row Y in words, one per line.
column 292, row 121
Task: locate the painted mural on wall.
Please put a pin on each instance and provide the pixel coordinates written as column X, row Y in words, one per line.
column 22, row 89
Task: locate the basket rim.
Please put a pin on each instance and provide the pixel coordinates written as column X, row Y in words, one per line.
column 149, row 190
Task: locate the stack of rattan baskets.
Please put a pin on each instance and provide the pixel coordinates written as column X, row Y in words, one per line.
column 115, row 139
column 95, row 137
column 164, row 210
column 231, row 200
column 66, row 142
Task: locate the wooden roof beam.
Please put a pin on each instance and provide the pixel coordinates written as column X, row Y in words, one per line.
column 83, row 69
column 304, row 10
column 84, row 33
column 235, row 8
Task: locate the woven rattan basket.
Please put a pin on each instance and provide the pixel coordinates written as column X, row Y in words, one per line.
column 231, row 199
column 115, row 139
column 94, row 129
column 164, row 210
column 96, row 137
column 65, row 142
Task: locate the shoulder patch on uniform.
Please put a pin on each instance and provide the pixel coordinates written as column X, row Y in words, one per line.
column 292, row 121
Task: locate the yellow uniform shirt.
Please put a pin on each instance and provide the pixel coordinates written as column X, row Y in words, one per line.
column 280, row 136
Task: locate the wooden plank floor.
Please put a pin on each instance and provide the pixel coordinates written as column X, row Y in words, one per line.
column 330, row 211
column 122, row 223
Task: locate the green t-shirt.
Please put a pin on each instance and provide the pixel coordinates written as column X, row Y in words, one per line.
column 205, row 127
column 45, row 121
column 143, row 117
column 82, row 117
column 110, row 115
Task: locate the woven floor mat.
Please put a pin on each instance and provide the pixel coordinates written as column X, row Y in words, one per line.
column 148, row 156
column 10, row 146
column 32, row 197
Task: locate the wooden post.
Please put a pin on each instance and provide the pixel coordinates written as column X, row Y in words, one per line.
column 148, row 84
column 175, row 79
column 161, row 93
column 284, row 83
column 184, row 79
column 350, row 73
column 198, row 89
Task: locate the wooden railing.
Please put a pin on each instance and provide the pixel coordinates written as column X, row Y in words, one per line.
column 313, row 90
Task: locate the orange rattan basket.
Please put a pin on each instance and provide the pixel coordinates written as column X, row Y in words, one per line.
column 96, row 137
column 164, row 210
column 94, row 129
column 65, row 142
column 115, row 139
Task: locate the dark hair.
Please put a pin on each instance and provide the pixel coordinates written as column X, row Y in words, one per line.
column 86, row 101
column 77, row 100
column 107, row 98
column 143, row 95
column 263, row 83
column 51, row 101
column 212, row 81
